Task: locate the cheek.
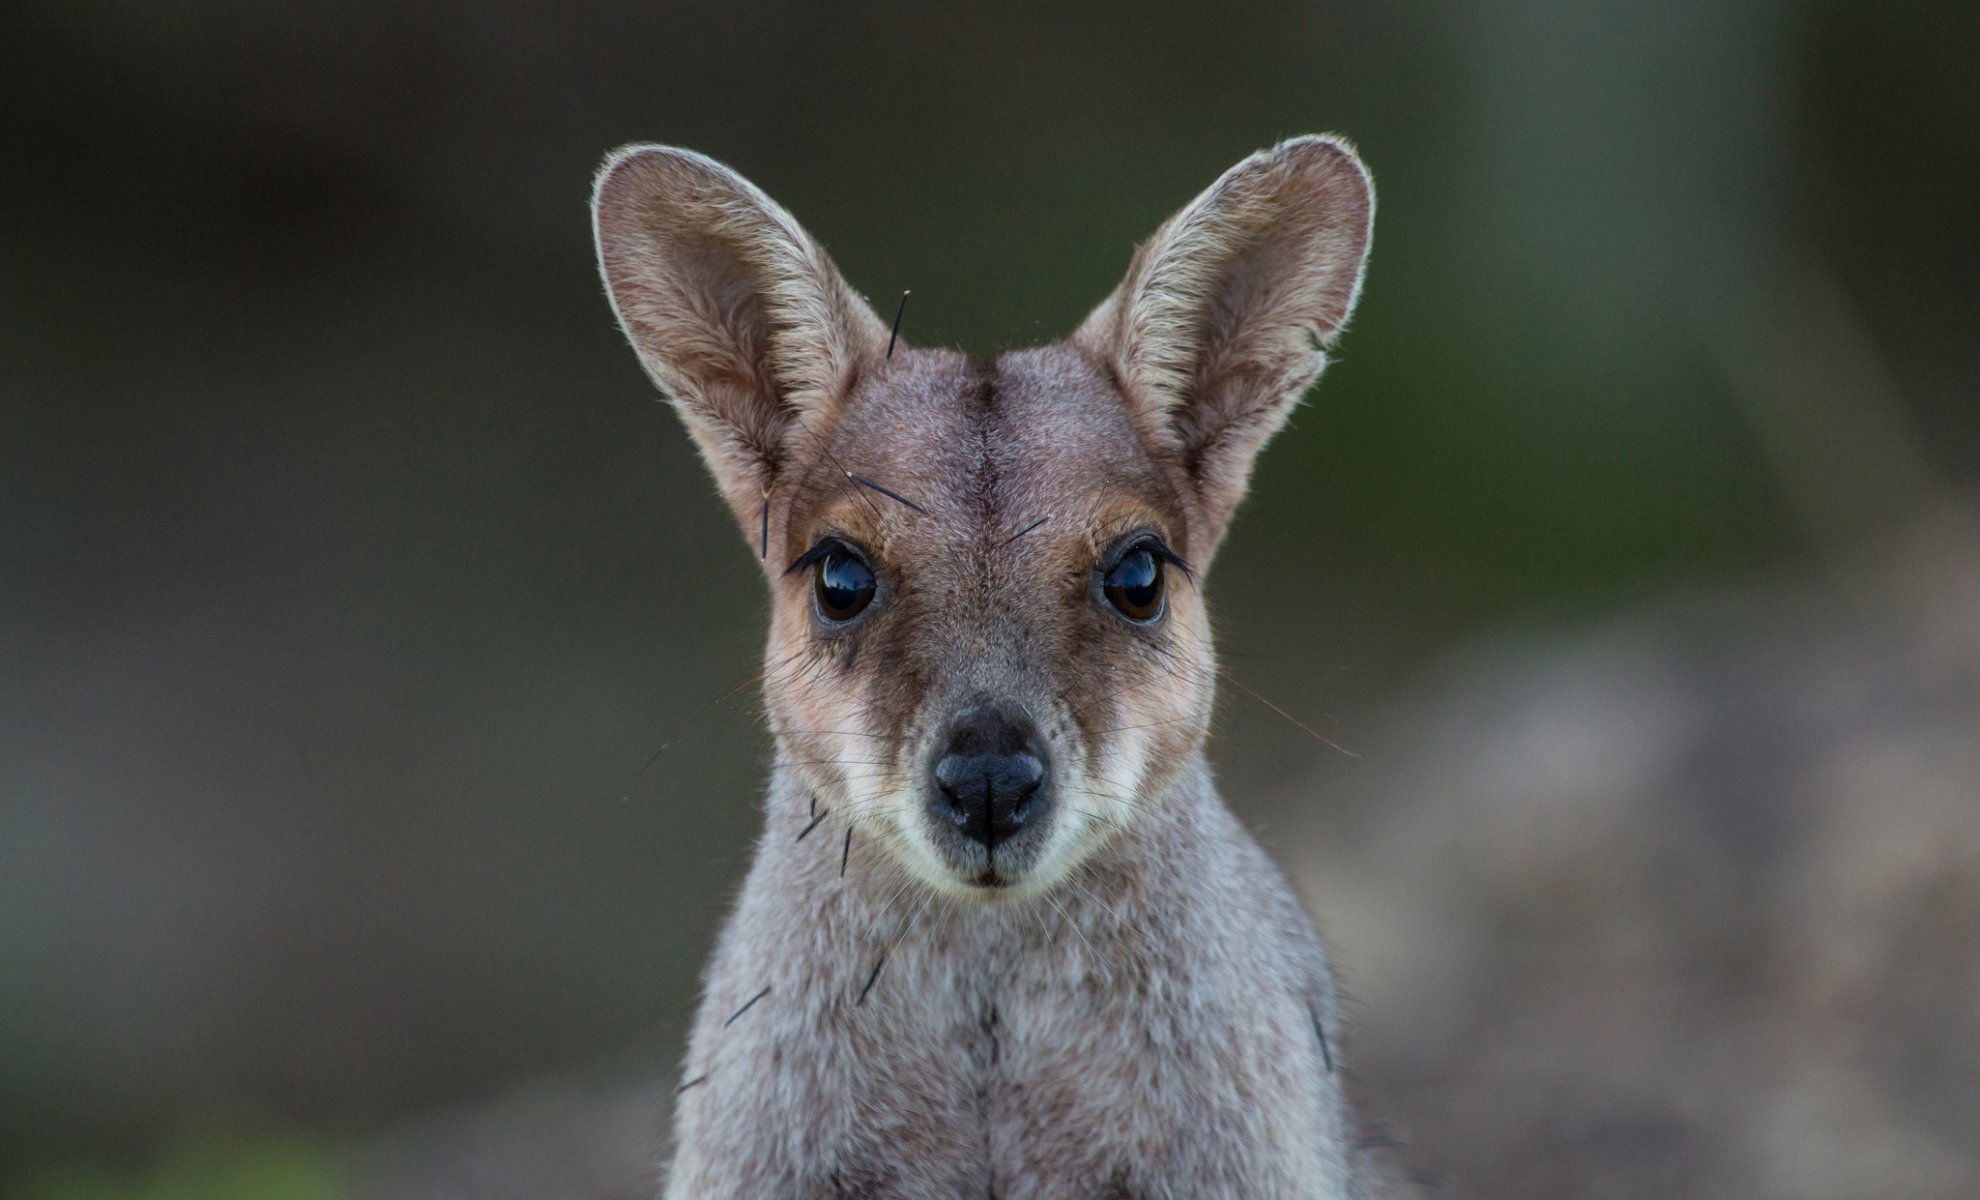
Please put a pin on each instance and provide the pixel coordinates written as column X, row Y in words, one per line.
column 831, row 736
column 811, row 705
column 821, row 706
column 1160, row 723
column 1180, row 692
column 1156, row 715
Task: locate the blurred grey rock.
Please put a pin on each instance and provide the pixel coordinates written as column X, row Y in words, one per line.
column 1684, row 904
column 595, row 1140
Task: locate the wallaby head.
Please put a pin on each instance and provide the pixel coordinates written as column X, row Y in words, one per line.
column 989, row 649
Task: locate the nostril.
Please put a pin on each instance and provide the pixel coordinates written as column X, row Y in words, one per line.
column 956, row 780
column 1022, row 775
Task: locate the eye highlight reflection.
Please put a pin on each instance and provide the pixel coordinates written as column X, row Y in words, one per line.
column 842, row 584
column 1134, row 584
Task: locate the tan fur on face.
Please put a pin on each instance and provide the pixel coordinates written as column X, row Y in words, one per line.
column 968, row 607
column 1129, row 1003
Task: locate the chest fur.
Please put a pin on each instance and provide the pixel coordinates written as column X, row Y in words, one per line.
column 1085, row 1045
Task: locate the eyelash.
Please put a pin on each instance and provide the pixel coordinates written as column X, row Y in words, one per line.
column 825, row 546
column 1154, row 546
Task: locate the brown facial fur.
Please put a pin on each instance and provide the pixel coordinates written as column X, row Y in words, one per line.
column 972, row 607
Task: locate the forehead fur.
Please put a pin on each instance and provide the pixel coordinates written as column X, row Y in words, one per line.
column 982, row 451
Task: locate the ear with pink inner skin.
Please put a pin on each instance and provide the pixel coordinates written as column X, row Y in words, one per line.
column 735, row 312
column 1223, row 320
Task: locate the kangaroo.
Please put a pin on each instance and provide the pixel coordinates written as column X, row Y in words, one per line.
column 1000, row 936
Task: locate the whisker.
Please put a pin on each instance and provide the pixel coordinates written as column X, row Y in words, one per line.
column 1147, row 725
column 825, row 449
column 761, row 673
column 814, row 824
column 836, row 762
column 890, row 737
column 1067, row 919
column 1311, row 732
column 898, row 314
column 1326, row 1052
column 897, row 893
column 926, row 900
column 888, row 492
column 747, row 1005
column 1027, row 529
column 1044, row 930
column 1116, row 797
column 1136, row 930
column 871, row 979
column 889, row 949
column 641, row 773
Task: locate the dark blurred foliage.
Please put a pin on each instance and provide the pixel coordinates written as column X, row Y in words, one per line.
column 367, row 630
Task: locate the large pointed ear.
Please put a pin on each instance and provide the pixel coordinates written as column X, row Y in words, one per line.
column 1223, row 319
column 735, row 312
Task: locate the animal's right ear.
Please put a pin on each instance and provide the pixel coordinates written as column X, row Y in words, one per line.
column 736, row 313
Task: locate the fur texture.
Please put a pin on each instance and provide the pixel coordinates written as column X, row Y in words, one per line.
column 1126, row 1001
column 734, row 311
column 1223, row 319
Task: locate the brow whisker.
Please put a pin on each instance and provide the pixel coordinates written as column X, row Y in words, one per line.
column 825, row 449
column 1027, row 529
column 888, row 492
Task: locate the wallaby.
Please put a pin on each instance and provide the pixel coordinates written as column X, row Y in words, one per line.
column 1001, row 937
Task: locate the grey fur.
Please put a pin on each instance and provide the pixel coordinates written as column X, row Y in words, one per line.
column 1152, row 1032
column 1134, row 1003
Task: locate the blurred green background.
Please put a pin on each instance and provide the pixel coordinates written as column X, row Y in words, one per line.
column 367, row 628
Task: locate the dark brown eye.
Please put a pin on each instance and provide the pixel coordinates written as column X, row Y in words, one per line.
column 1134, row 585
column 843, row 585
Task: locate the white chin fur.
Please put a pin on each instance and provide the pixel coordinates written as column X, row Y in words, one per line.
column 1095, row 808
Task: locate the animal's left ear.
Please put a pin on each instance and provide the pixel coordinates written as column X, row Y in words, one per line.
column 1223, row 319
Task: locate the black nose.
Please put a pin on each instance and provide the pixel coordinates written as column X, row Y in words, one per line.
column 991, row 774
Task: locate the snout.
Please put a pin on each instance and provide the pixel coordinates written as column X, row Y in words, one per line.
column 991, row 781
